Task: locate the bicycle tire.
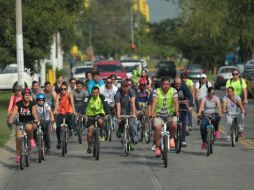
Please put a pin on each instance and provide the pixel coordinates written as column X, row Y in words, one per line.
column 236, row 132
column 233, row 135
column 97, row 143
column 208, row 140
column 63, row 139
column 79, row 134
column 126, row 143
column 27, row 153
column 178, row 138
column 110, row 129
column 147, row 133
column 165, row 151
column 39, row 144
column 212, row 137
column 22, row 154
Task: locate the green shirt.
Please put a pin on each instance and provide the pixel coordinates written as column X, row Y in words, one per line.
column 236, row 84
column 189, row 83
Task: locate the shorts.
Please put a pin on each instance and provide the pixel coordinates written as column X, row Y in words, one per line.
column 90, row 121
column 160, row 121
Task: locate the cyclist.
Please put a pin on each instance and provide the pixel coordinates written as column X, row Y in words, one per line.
column 210, row 104
column 164, row 108
column 35, row 89
column 17, row 96
column 240, row 89
column 45, row 116
column 125, row 99
column 190, row 84
column 64, row 108
column 27, row 114
column 145, row 79
column 95, row 105
column 79, row 95
column 58, row 84
column 185, row 100
column 233, row 104
column 97, row 81
column 89, row 77
column 143, row 94
column 50, row 95
column 114, row 81
column 72, row 83
column 136, row 73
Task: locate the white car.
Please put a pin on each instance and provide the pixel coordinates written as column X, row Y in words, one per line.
column 79, row 72
column 9, row 77
column 129, row 66
column 224, row 73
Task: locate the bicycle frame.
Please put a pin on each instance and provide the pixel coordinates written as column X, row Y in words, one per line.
column 234, row 128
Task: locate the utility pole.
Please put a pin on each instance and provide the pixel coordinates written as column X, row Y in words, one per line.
column 132, row 30
column 19, row 43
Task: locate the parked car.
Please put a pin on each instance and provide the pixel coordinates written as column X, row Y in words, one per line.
column 79, row 72
column 107, row 68
column 249, row 65
column 9, row 77
column 194, row 71
column 224, row 73
column 129, row 66
column 249, row 78
column 166, row 69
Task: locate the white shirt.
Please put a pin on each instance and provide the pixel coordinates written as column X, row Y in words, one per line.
column 109, row 94
column 203, row 90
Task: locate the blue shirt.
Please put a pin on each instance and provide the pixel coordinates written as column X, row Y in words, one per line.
column 93, row 83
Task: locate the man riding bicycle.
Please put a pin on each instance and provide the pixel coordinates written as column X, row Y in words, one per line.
column 233, row 104
column 95, row 105
column 79, row 95
column 27, row 115
column 185, row 100
column 210, row 105
column 164, row 109
column 125, row 99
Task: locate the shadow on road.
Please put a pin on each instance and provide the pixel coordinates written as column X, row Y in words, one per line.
column 11, row 166
column 195, row 153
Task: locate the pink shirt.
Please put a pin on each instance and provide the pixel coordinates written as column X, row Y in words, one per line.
column 13, row 100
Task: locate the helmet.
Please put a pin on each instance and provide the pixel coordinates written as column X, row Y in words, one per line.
column 142, row 81
column 26, row 91
column 40, row 96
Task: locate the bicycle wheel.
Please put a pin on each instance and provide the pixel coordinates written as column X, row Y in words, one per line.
column 212, row 137
column 208, row 140
column 110, row 129
column 233, row 135
column 236, row 131
column 126, row 143
column 165, row 151
column 97, row 143
column 22, row 153
column 178, row 138
column 147, row 132
column 39, row 144
column 27, row 152
column 63, row 139
column 79, row 131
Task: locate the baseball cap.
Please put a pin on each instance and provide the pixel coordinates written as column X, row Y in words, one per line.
column 203, row 76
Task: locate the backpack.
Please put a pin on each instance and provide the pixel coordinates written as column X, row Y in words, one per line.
column 206, row 84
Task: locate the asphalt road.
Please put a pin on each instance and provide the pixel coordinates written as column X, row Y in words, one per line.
column 228, row 168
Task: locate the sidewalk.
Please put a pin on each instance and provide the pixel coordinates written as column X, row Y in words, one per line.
column 7, row 163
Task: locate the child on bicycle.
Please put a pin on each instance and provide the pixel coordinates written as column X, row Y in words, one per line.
column 210, row 105
column 45, row 116
column 233, row 104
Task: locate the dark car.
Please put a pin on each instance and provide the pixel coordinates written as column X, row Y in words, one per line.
column 194, row 71
column 166, row 69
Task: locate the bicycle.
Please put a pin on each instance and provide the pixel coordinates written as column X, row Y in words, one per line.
column 96, row 138
column 40, row 143
column 126, row 137
column 24, row 147
column 210, row 134
column 64, row 136
column 234, row 129
column 144, row 127
column 178, row 136
column 110, row 126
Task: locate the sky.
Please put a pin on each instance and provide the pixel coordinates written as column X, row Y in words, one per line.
column 162, row 9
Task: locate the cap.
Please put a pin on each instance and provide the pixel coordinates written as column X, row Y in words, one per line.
column 203, row 76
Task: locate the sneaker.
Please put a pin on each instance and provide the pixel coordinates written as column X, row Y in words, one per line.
column 102, row 138
column 32, row 143
column 58, row 146
column 132, row 147
column 204, row 146
column 153, row 148
column 17, row 159
column 217, row 134
column 227, row 138
column 184, row 144
column 190, row 128
column 118, row 134
column 240, row 134
column 172, row 143
column 157, row 152
column 89, row 149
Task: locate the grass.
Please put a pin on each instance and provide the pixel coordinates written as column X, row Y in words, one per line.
column 4, row 130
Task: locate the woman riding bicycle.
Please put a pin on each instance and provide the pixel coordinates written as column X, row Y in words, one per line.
column 233, row 104
column 65, row 109
column 27, row 115
column 210, row 105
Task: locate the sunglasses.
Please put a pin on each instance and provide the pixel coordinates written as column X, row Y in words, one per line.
column 235, row 74
column 63, row 88
column 109, row 82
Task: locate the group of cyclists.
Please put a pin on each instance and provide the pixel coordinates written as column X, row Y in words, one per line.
column 165, row 102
